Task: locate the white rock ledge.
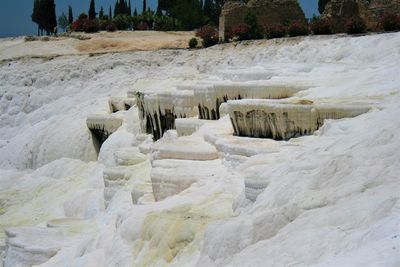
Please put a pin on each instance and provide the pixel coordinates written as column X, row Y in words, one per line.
column 284, row 120
column 23, row 248
column 210, row 97
column 121, row 103
column 170, row 177
column 101, row 127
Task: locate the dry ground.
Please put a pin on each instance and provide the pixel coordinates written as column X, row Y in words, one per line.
column 103, row 42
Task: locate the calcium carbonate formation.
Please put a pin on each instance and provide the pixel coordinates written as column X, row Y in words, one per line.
column 257, row 109
column 224, row 168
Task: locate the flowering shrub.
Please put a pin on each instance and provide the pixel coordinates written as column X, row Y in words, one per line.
column 208, row 35
column 298, row 29
column 91, row 25
column 322, row 26
column 240, row 32
column 355, row 25
column 77, row 25
column 276, row 31
column 390, row 22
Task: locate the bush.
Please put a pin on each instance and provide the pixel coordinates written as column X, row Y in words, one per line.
column 322, row 26
column 122, row 22
column 355, row 25
column 77, row 25
column 240, row 32
column 276, row 31
column 165, row 23
column 91, row 26
column 254, row 30
column 208, row 35
column 298, row 29
column 390, row 22
column 193, row 43
column 83, row 16
column 111, row 27
column 143, row 26
column 103, row 24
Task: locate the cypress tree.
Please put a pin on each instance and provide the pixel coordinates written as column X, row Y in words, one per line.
column 92, row 10
column 52, row 22
column 110, row 13
column 101, row 13
column 135, row 14
column 70, row 15
column 36, row 14
column 129, row 9
column 116, row 9
column 144, row 7
column 47, row 16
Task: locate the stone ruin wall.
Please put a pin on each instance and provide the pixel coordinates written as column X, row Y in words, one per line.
column 268, row 12
column 341, row 10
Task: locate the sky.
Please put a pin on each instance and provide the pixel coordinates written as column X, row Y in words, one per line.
column 15, row 15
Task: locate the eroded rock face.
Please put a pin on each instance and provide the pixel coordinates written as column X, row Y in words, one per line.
column 268, row 12
column 370, row 11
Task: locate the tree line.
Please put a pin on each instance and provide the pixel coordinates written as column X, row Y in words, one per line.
column 169, row 15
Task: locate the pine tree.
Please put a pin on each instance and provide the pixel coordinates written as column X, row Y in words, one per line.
column 135, row 13
column 110, row 13
column 144, row 7
column 70, row 15
column 92, row 10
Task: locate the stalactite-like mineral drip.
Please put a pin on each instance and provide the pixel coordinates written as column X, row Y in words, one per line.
column 282, row 120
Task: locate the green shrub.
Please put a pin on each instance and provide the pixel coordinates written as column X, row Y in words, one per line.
column 193, row 43
column 298, row 29
column 122, row 22
column 355, row 25
column 208, row 35
column 254, row 29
